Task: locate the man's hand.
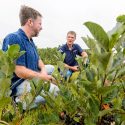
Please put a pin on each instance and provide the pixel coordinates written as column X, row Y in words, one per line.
column 43, row 71
column 45, row 76
column 73, row 68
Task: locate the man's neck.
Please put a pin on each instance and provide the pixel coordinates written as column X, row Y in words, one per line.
column 27, row 32
column 70, row 46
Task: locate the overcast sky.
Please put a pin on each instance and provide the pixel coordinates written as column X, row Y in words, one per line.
column 61, row 16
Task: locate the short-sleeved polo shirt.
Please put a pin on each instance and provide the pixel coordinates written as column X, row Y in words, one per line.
column 30, row 58
column 71, row 54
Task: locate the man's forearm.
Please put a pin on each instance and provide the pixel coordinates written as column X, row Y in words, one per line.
column 26, row 73
column 84, row 55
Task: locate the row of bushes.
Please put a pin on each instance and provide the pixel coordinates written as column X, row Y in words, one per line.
column 47, row 55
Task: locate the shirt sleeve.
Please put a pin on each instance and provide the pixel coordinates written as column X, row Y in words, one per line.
column 13, row 39
column 8, row 40
column 80, row 50
column 61, row 49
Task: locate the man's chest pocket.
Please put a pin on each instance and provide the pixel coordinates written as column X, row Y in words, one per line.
column 75, row 52
column 31, row 55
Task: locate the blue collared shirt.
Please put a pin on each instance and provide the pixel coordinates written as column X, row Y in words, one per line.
column 30, row 58
column 71, row 54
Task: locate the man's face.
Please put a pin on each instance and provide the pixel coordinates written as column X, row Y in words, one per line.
column 70, row 39
column 36, row 27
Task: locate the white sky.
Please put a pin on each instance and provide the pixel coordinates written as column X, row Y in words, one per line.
column 61, row 16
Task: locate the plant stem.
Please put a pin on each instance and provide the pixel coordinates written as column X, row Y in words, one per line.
column 104, row 80
column 3, row 122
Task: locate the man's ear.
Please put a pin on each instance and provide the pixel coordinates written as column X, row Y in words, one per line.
column 30, row 22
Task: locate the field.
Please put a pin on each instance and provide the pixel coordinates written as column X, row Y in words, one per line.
column 93, row 96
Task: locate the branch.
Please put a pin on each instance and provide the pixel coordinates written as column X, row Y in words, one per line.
column 3, row 122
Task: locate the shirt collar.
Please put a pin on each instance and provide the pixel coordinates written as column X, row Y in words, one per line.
column 23, row 34
column 67, row 48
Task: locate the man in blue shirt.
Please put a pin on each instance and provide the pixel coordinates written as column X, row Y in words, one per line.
column 29, row 65
column 71, row 50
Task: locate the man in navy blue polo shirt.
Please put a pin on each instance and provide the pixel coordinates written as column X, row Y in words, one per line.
column 71, row 50
column 29, row 65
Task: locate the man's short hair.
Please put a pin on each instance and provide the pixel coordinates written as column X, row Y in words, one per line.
column 72, row 32
column 27, row 13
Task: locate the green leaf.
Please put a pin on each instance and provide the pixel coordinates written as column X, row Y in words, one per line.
column 92, row 44
column 113, row 40
column 117, row 103
column 110, row 63
column 5, row 87
column 5, row 101
column 89, row 121
column 120, row 72
column 46, row 86
column 2, row 75
column 106, row 90
column 21, row 53
column 13, row 50
column 94, row 108
column 104, row 60
column 110, row 97
column 121, row 19
column 104, row 112
column 7, row 116
column 60, row 64
column 1, row 53
column 124, row 51
column 99, row 34
column 20, row 107
column 74, row 76
column 90, row 75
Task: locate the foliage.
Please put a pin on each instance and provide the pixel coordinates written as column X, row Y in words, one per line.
column 7, row 67
column 102, row 82
column 47, row 55
column 91, row 96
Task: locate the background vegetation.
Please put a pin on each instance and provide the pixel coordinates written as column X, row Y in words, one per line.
column 92, row 96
